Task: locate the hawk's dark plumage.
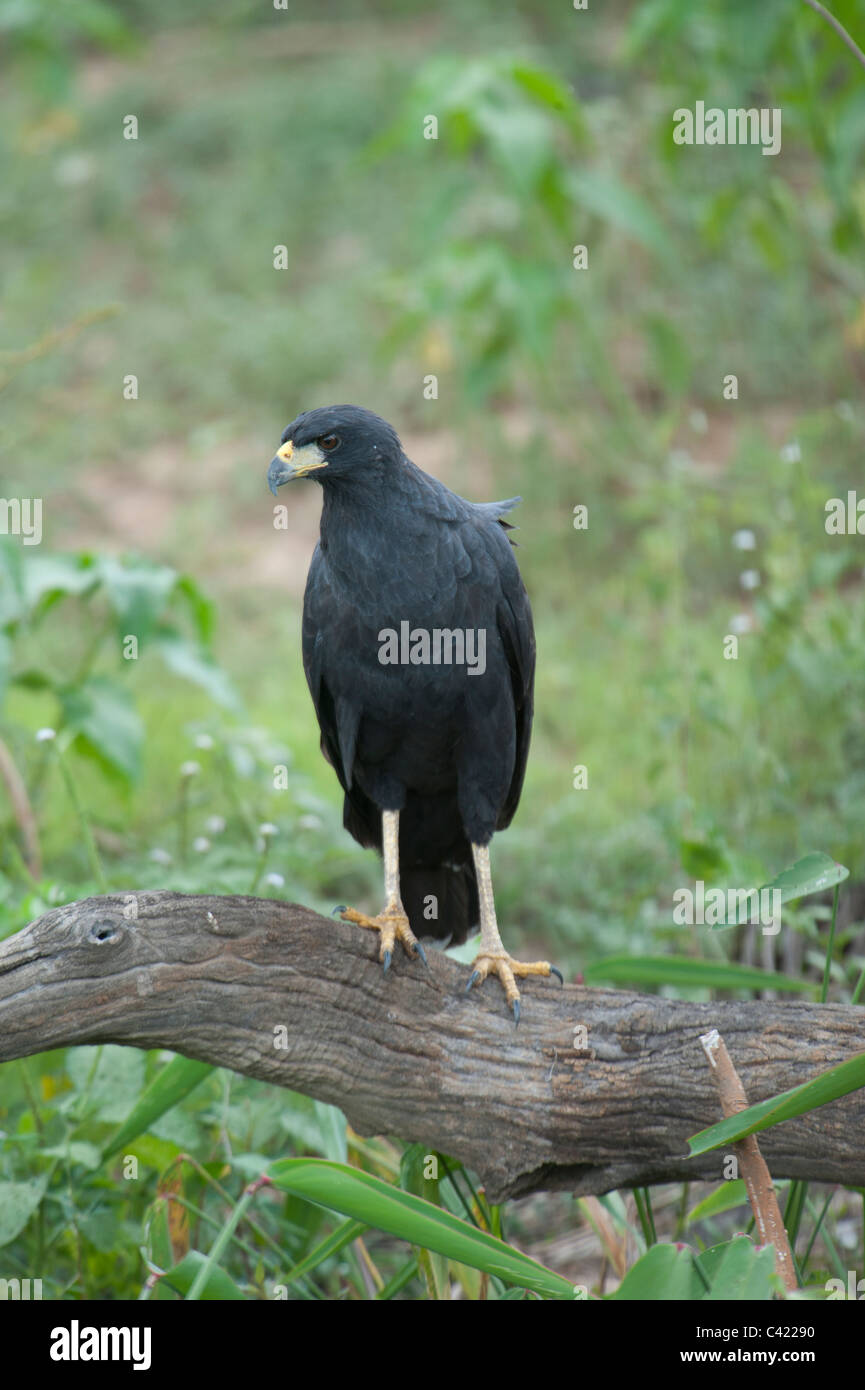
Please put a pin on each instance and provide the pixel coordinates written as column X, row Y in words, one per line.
column 444, row 747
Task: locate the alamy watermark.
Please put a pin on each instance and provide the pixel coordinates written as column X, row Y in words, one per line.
column 728, row 907
column 735, row 126
column 437, row 646
column 22, row 516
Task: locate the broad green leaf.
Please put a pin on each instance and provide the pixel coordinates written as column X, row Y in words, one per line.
column 735, row 1269
column 47, row 578
column 683, row 970
column 738, row 1270
column 137, row 591
column 218, row 1286
column 830, row 1085
column 18, row 1201
column 366, row 1198
column 813, row 874
column 665, row 1272
column 101, row 713
column 192, row 662
column 111, row 1076
column 176, row 1080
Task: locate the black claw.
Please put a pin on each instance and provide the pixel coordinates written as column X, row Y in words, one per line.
column 422, row 953
column 386, row 960
column 558, row 973
column 338, row 911
column 516, row 1008
column 476, row 975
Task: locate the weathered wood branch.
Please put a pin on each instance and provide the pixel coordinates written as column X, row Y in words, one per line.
column 411, row 1054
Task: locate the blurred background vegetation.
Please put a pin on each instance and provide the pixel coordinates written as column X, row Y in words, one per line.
column 410, row 257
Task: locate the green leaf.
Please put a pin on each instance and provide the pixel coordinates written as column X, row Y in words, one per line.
column 665, row 1272
column 614, row 202
column 830, row 1085
column 18, row 1201
column 192, row 662
column 813, row 874
column 546, row 89
column 137, row 591
column 101, row 713
column 218, row 1285
column 47, row 578
column 202, row 610
column 724, row 1198
column 738, row 1270
column 332, row 1128
column 109, row 1076
column 344, row 1234
column 735, row 1269
column 366, row 1198
column 176, row 1080
column 76, row 1151
column 683, row 970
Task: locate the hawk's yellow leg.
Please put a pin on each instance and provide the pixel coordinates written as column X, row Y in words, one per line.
column 492, row 958
column 392, row 924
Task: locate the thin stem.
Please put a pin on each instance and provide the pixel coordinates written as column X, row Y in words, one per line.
column 830, row 947
column 839, row 30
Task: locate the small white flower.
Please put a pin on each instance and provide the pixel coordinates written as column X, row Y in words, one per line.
column 159, row 856
column 267, row 829
column 791, row 453
column 203, row 741
column 750, row 579
column 699, row 421
column 744, row 540
column 741, row 622
column 274, row 880
column 73, row 170
column 201, row 844
column 309, row 823
column 45, row 735
column 190, row 769
column 215, row 824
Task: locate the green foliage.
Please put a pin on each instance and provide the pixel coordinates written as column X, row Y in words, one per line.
column 736, row 1269
column 118, row 602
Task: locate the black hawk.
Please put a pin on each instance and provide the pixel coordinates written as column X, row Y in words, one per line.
column 419, row 652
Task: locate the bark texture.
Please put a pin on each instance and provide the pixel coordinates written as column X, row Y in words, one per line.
column 277, row 992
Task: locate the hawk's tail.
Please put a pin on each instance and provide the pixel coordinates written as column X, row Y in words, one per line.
column 441, row 901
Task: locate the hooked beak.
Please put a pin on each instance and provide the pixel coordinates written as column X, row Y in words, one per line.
column 289, row 463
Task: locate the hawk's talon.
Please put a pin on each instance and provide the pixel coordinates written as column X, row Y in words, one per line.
column 339, row 910
column 498, row 962
column 392, row 926
column 554, row 970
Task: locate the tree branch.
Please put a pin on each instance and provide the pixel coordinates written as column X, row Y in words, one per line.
column 225, row 979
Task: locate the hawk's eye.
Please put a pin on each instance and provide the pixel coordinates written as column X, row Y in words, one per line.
column 329, row 441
